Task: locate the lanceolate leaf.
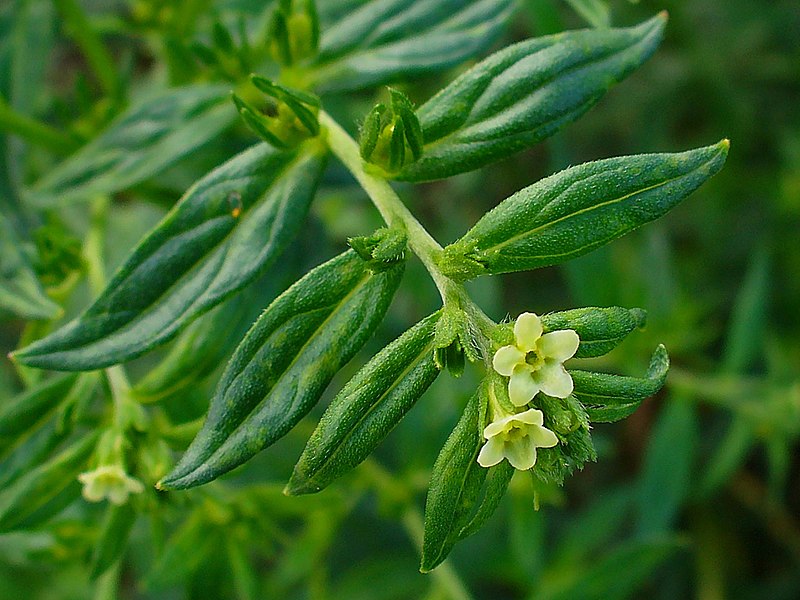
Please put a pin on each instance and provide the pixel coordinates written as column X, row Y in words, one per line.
column 20, row 290
column 383, row 40
column 579, row 209
column 599, row 329
column 285, row 362
column 523, row 94
column 117, row 525
column 223, row 233
column 609, row 398
column 149, row 137
column 368, row 408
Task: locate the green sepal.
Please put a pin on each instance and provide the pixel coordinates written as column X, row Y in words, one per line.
column 304, row 105
column 462, row 493
column 367, row 409
column 454, row 340
column 609, row 398
column 523, row 94
column 114, row 535
column 379, row 42
column 402, row 107
column 223, row 233
column 382, row 249
column 285, row 362
column 370, row 131
column 390, row 136
column 577, row 210
column 20, row 290
column 258, row 123
column 38, row 487
column 600, row 329
column 294, row 31
column 222, row 38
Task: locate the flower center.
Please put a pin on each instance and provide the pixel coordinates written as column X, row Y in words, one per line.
column 533, row 359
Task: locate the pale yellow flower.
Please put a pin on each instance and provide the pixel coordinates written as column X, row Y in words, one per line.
column 534, row 363
column 515, row 437
column 109, row 481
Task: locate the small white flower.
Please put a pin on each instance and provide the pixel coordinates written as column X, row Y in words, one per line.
column 516, row 438
column 534, row 362
column 109, row 481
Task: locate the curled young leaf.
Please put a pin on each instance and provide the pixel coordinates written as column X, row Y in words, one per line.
column 285, row 362
column 367, row 409
column 523, row 94
column 383, row 40
column 222, row 234
column 608, row 398
column 579, row 209
column 600, row 329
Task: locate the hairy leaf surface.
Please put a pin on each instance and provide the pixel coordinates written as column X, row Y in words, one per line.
column 285, row 362
column 222, row 234
column 600, row 329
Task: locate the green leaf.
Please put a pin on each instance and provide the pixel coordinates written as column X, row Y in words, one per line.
column 384, row 40
column 454, row 508
column 285, row 362
column 579, row 209
column 191, row 544
column 367, row 409
column 595, row 12
column 153, row 134
column 600, row 329
column 523, row 94
column 609, row 398
column 40, row 485
column 113, row 540
column 25, row 411
column 223, row 233
column 20, row 290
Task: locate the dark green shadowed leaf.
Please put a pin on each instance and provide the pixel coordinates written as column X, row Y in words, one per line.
column 385, row 40
column 367, row 408
column 224, row 232
column 153, row 134
column 39, row 486
column 609, row 398
column 285, row 362
column 600, row 329
column 523, row 94
column 113, row 540
column 20, row 290
column 579, row 209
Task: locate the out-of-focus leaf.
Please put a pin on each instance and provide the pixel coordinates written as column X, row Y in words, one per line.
column 117, row 527
column 664, row 484
column 383, row 40
column 285, row 362
column 367, row 409
column 223, row 233
column 184, row 552
column 20, row 290
column 523, row 94
column 579, row 209
column 153, row 134
column 595, row 12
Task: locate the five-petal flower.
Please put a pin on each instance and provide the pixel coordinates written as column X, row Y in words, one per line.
column 516, row 437
column 534, row 363
column 109, row 481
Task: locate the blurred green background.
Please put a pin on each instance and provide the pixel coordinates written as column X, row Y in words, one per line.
column 697, row 495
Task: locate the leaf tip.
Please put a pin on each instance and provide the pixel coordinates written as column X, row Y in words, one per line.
column 663, row 16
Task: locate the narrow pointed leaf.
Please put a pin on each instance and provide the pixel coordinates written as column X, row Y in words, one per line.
column 224, row 232
column 152, row 135
column 285, row 362
column 20, row 290
column 609, row 398
column 367, row 409
column 497, row 480
column 579, row 209
column 117, row 525
column 600, row 329
column 384, row 40
column 523, row 94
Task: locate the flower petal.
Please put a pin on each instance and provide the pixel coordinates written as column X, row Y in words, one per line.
column 491, row 453
column 552, row 379
column 521, row 453
column 559, row 345
column 527, row 330
column 522, row 387
column 543, row 437
column 506, row 358
column 531, row 416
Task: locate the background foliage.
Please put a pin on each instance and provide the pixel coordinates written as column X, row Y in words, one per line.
column 696, row 495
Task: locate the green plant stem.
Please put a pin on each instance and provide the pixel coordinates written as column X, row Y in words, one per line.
column 395, row 213
column 33, row 131
column 80, row 29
